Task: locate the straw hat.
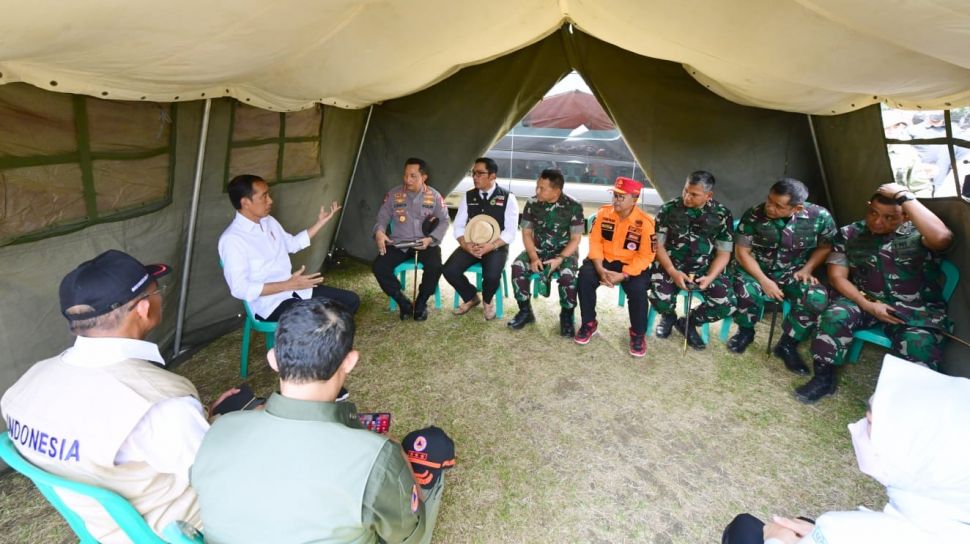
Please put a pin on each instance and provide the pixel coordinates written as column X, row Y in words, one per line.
column 482, row 229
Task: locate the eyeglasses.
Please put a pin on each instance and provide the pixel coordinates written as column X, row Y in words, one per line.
column 478, row 173
column 158, row 291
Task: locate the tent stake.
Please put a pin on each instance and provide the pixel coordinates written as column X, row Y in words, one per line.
column 190, row 237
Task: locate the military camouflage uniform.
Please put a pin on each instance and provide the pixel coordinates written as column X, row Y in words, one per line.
column 898, row 270
column 781, row 247
column 691, row 236
column 551, row 225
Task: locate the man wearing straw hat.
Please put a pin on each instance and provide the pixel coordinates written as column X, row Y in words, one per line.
column 484, row 226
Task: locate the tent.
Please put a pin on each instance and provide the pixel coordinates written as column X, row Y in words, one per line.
column 120, row 122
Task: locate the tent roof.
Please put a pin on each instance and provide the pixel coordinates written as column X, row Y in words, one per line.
column 812, row 56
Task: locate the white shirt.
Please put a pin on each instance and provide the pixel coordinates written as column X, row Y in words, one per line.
column 169, row 434
column 511, row 222
column 254, row 254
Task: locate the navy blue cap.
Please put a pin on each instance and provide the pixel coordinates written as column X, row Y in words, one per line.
column 106, row 282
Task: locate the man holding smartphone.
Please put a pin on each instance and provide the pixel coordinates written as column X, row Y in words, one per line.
column 361, row 491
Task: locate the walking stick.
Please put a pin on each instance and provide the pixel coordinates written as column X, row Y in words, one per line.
column 414, row 288
column 690, row 285
column 771, row 330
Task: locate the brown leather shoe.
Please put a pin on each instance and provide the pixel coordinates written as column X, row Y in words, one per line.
column 466, row 307
column 489, row 309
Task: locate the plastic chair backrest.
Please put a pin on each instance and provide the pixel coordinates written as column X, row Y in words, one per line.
column 124, row 514
column 952, row 275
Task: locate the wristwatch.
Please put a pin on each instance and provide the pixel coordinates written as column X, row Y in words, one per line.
column 903, row 196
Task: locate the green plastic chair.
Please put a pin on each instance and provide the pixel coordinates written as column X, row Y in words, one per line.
column 728, row 321
column 535, row 279
column 268, row 328
column 705, row 328
column 875, row 335
column 123, row 513
column 503, row 288
column 401, row 271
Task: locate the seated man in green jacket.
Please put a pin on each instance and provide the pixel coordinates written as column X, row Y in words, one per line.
column 304, row 469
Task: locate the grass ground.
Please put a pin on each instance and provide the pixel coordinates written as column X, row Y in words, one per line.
column 565, row 443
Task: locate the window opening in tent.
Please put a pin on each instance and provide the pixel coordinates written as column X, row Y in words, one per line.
column 571, row 131
column 929, row 151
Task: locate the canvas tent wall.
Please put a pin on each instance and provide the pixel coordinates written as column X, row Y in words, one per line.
column 447, row 96
column 31, row 326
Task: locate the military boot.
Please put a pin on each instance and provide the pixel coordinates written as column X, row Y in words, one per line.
column 741, row 340
column 821, row 385
column 694, row 339
column 666, row 325
column 567, row 325
column 404, row 305
column 524, row 317
column 787, row 350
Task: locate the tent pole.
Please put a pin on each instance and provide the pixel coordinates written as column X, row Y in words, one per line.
column 821, row 165
column 353, row 173
column 190, row 238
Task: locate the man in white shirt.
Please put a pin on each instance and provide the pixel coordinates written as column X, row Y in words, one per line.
column 255, row 249
column 489, row 199
column 105, row 412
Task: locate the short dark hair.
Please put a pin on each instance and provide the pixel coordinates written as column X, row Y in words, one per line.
column 702, row 177
column 883, row 199
column 795, row 190
column 242, row 187
column 422, row 166
column 312, row 338
column 556, row 181
column 490, row 164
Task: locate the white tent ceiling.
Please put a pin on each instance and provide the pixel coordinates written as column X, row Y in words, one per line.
column 811, row 56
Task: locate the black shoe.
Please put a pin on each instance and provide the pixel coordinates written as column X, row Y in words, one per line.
column 404, row 305
column 787, row 351
column 666, row 325
column 694, row 339
column 342, row 395
column 741, row 340
column 821, row 385
column 523, row 318
column 567, row 325
column 421, row 311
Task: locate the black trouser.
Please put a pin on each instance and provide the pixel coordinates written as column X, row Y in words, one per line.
column 744, row 529
column 493, row 263
column 429, row 258
column 635, row 287
column 347, row 299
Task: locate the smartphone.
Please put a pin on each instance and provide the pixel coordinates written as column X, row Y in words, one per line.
column 243, row 400
column 379, row 422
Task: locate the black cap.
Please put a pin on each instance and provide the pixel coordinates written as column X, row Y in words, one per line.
column 430, row 451
column 106, row 282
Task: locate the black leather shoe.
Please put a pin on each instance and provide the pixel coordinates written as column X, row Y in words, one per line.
column 820, row 386
column 741, row 340
column 521, row 319
column 694, row 339
column 404, row 305
column 567, row 325
column 787, row 351
column 666, row 325
column 421, row 311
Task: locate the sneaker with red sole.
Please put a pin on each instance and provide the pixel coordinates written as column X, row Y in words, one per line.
column 585, row 333
column 638, row 344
